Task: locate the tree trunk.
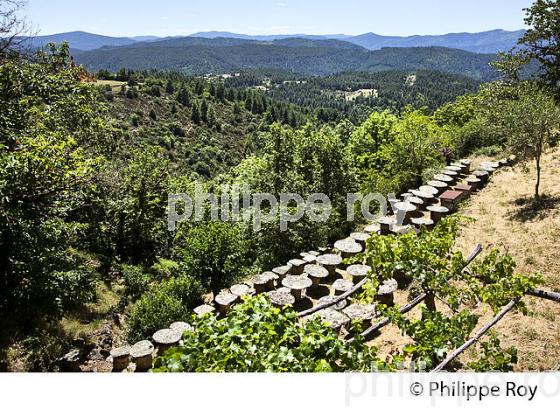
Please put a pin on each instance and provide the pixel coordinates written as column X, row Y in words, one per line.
column 538, row 183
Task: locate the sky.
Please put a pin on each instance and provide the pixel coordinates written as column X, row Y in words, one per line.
column 175, row 17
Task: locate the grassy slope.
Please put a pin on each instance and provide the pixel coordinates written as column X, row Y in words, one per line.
column 505, row 221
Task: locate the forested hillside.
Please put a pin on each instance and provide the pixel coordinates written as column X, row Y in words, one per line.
column 354, row 94
column 317, row 57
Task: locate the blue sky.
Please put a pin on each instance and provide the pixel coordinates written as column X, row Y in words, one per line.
column 175, row 17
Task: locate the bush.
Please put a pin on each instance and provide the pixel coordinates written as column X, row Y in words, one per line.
column 165, row 268
column 184, row 288
column 75, row 287
column 155, row 310
column 43, row 349
column 216, row 252
column 162, row 305
column 489, row 151
column 136, row 280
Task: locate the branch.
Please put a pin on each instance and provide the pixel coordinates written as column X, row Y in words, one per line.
column 336, row 300
column 405, row 309
column 477, row 336
column 545, row 294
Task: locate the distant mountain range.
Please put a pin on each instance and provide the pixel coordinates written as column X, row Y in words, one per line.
column 484, row 42
column 195, row 55
column 218, row 52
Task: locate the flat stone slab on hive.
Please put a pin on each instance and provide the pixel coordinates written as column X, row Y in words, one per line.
column 414, row 200
column 204, row 309
column 181, row 327
column 331, row 317
column 141, row 349
column 453, row 174
column 443, row 178
column 226, row 298
column 429, row 189
column 265, row 278
column 281, row 271
column 120, row 351
column 348, row 246
column 387, row 287
column 405, row 207
column 167, row 337
column 281, row 298
column 489, row 164
column 438, row 209
column 423, row 194
column 309, row 258
column 329, row 259
column 358, row 272
column 316, row 271
column 372, row 229
column 297, row 266
column 341, row 286
column 360, row 312
column 481, row 174
column 241, row 290
column 427, row 222
column 297, row 282
column 360, row 237
column 439, row 185
column 338, row 306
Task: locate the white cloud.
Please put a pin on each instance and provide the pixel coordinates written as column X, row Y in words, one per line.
column 281, row 4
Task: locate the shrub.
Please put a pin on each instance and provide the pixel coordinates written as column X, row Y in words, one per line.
column 216, row 252
column 165, row 268
column 136, row 280
column 155, row 310
column 162, row 305
column 74, row 287
column 184, row 288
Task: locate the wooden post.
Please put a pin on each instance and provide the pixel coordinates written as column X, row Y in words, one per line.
column 477, row 335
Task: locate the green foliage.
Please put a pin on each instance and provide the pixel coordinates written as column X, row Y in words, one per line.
column 137, row 211
column 305, row 161
column 42, row 349
column 185, row 288
column 154, row 310
column 435, row 335
column 542, row 39
column 427, row 259
column 136, row 280
column 493, row 358
column 165, row 268
column 216, row 252
column 256, row 337
column 498, row 284
column 162, row 305
column 406, row 148
column 47, row 124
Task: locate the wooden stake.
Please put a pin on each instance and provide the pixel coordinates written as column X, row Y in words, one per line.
column 477, row 336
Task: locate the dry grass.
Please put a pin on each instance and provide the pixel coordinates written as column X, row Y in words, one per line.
column 505, row 219
column 115, row 85
column 93, row 315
